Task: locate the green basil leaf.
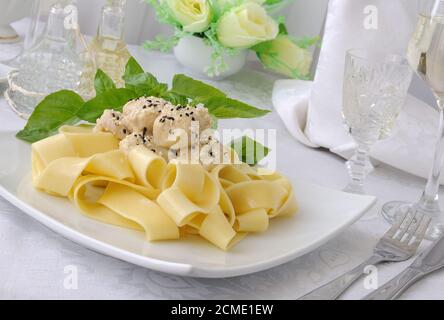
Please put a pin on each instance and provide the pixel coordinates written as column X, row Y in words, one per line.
column 132, row 68
column 103, row 82
column 197, row 101
column 193, row 89
column 175, row 98
column 66, row 107
column 145, row 84
column 226, row 108
column 249, row 151
column 57, row 109
column 111, row 99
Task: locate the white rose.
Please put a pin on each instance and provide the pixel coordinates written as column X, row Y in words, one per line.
column 193, row 15
column 284, row 56
column 246, row 26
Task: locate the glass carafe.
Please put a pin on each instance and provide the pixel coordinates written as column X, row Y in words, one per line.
column 108, row 47
column 59, row 60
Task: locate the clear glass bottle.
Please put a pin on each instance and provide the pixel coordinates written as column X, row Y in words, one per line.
column 59, row 60
column 108, row 47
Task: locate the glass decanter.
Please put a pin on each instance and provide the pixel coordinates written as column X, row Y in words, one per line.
column 108, row 47
column 59, row 60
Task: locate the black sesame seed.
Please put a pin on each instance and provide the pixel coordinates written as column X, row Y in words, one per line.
column 193, row 119
column 124, row 131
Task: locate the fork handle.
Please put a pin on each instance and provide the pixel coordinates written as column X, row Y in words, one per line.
column 395, row 287
column 335, row 288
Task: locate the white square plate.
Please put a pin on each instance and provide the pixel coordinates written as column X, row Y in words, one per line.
column 323, row 214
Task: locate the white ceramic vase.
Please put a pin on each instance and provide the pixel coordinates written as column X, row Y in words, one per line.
column 195, row 55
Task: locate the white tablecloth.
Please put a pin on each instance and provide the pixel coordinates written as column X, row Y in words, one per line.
column 33, row 259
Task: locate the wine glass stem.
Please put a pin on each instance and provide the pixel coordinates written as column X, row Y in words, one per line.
column 359, row 166
column 429, row 200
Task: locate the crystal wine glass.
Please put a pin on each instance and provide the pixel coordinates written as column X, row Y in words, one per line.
column 426, row 56
column 375, row 88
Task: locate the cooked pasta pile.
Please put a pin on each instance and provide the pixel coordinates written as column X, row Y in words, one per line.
column 142, row 191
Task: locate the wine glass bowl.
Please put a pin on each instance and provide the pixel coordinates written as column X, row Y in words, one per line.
column 425, row 54
column 375, row 88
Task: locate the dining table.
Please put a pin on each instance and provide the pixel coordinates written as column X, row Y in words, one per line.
column 35, row 261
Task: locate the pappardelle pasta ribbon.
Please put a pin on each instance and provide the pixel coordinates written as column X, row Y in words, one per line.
column 141, row 191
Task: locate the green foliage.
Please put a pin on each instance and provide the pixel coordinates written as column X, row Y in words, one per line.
column 68, row 108
column 249, row 150
column 57, row 109
column 102, row 82
column 219, row 8
column 111, row 99
column 194, row 89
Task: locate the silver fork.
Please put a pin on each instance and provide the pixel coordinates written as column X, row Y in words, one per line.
column 398, row 244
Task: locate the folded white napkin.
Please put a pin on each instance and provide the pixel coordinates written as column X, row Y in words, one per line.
column 290, row 99
column 311, row 111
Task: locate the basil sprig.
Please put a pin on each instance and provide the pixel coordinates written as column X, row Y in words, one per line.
column 249, row 150
column 68, row 108
column 55, row 110
column 103, row 82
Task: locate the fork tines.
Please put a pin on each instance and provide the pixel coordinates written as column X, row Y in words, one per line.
column 410, row 228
